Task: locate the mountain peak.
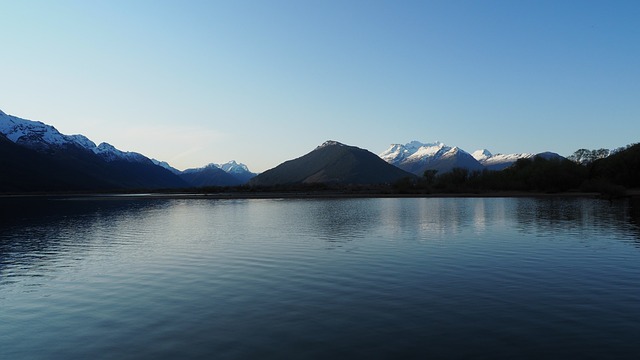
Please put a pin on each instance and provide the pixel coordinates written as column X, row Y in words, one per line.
column 399, row 153
column 2, row 113
column 106, row 147
column 416, row 157
column 548, row 155
column 111, row 153
column 481, row 154
column 414, row 144
column 33, row 134
column 330, row 143
column 333, row 163
column 497, row 161
column 230, row 167
column 234, row 167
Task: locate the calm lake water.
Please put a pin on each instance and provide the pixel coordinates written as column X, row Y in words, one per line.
column 319, row 279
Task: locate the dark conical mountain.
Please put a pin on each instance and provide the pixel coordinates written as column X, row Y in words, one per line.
column 332, row 162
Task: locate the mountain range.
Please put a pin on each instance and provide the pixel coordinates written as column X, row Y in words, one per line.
column 417, row 157
column 227, row 174
column 35, row 156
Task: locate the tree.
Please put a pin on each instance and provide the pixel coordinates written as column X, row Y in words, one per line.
column 429, row 176
column 587, row 157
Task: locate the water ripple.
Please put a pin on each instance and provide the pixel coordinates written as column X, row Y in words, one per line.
column 350, row 278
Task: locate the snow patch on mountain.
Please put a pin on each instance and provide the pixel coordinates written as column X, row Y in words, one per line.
column 416, row 157
column 481, row 155
column 330, row 143
column 436, row 149
column 42, row 137
column 82, row 140
column 193, row 170
column 232, row 167
column 498, row 161
column 110, row 153
column 38, row 135
column 398, row 153
column 166, row 165
column 228, row 174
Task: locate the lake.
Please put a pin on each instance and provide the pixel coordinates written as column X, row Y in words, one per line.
column 508, row 278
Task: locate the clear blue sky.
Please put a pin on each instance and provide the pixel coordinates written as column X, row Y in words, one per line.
column 261, row 82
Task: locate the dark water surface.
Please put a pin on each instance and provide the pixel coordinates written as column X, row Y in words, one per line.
column 319, row 279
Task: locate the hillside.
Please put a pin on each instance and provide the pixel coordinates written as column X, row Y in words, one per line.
column 332, row 162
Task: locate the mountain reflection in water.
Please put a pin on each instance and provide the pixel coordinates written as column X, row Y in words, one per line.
column 326, row 278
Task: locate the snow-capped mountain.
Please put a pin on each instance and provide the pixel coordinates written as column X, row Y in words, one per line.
column 397, row 153
column 40, row 158
column 110, row 153
column 125, row 168
column 210, row 175
column 481, row 155
column 416, row 157
column 234, row 174
column 166, row 165
column 233, row 167
column 498, row 161
column 40, row 136
column 238, row 170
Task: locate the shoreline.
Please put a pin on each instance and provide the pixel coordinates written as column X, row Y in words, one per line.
column 299, row 195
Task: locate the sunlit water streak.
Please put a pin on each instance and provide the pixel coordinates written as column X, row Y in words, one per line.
column 343, row 278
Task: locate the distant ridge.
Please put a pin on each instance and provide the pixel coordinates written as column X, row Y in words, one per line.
column 416, row 157
column 332, row 163
column 498, row 161
column 238, row 170
column 210, row 175
column 35, row 156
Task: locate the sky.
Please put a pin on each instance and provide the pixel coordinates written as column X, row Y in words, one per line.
column 261, row 82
